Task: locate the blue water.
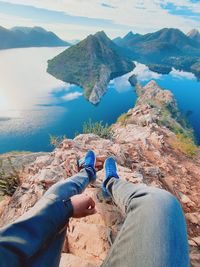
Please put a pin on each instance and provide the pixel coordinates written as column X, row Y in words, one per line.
column 187, row 95
column 34, row 105
column 64, row 118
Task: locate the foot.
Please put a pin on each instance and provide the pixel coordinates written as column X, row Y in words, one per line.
column 110, row 171
column 89, row 165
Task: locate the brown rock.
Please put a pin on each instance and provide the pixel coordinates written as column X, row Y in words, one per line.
column 82, row 237
column 70, row 260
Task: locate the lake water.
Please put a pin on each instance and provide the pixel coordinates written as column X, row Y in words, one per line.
column 34, row 105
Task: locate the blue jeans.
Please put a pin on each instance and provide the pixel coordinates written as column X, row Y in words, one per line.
column 153, row 233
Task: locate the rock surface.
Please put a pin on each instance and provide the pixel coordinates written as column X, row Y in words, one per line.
column 145, row 153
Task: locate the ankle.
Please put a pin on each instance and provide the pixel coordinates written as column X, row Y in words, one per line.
column 109, row 184
column 91, row 172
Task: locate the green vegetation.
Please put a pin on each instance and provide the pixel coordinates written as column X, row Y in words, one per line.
column 56, row 140
column 122, row 118
column 171, row 118
column 98, row 128
column 186, row 63
column 164, row 49
column 159, row 68
column 195, row 68
column 8, row 182
column 186, row 145
column 92, row 61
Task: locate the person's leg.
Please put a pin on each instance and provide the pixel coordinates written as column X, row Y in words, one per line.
column 50, row 254
column 154, row 232
column 77, row 183
column 71, row 186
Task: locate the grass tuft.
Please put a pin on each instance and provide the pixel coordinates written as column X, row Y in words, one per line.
column 8, row 182
column 186, row 145
column 98, row 128
column 55, row 141
column 122, row 118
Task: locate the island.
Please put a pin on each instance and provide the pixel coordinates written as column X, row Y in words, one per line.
column 91, row 64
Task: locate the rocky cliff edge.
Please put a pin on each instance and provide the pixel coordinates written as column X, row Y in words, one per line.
column 146, row 149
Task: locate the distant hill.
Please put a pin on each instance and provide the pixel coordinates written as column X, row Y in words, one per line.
column 91, row 64
column 194, row 35
column 167, row 47
column 161, row 43
column 28, row 37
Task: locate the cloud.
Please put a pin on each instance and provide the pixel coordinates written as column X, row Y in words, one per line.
column 46, row 15
column 182, row 74
column 121, row 84
column 108, row 6
column 67, row 26
column 143, row 73
column 72, row 96
column 137, row 15
column 183, row 10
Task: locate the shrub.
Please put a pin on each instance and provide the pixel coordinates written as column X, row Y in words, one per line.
column 122, row 118
column 56, row 140
column 98, row 128
column 8, row 182
column 185, row 144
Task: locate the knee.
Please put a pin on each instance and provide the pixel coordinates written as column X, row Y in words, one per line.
column 163, row 199
column 154, row 200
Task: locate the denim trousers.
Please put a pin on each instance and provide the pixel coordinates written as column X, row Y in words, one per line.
column 153, row 234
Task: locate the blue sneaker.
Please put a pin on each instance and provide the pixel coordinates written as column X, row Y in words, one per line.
column 89, row 165
column 110, row 171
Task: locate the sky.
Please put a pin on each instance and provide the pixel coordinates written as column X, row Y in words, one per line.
column 75, row 19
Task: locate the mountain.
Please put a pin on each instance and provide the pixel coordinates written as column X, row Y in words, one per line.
column 194, row 35
column 150, row 145
column 117, row 40
column 163, row 49
column 28, row 37
column 130, row 35
column 162, row 43
column 91, row 64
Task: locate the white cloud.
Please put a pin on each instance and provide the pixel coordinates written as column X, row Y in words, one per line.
column 72, row 96
column 182, row 74
column 143, row 73
column 140, row 15
column 121, row 84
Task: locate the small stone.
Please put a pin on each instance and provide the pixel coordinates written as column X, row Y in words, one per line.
column 196, row 240
column 186, row 200
column 138, row 175
column 193, row 217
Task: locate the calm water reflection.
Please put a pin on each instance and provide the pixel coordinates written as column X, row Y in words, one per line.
column 34, row 104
